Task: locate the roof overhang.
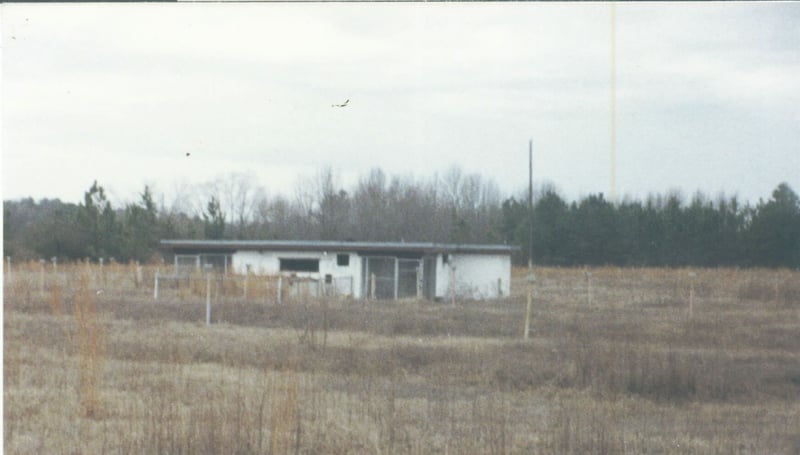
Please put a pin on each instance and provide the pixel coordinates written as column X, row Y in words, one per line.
column 364, row 248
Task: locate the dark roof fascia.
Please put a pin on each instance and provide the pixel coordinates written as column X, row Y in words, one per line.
column 362, row 248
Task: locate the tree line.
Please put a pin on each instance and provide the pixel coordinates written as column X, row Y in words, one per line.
column 452, row 207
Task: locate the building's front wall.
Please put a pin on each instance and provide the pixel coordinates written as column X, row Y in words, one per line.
column 346, row 278
column 477, row 276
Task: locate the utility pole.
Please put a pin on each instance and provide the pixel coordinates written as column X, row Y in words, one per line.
column 531, row 277
column 613, row 102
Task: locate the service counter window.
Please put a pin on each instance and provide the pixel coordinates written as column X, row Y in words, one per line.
column 299, row 265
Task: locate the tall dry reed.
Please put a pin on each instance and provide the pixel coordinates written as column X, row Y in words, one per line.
column 90, row 338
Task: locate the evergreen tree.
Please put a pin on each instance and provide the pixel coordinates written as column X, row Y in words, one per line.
column 593, row 224
column 550, row 229
column 214, row 220
column 660, row 231
column 140, row 230
column 98, row 222
column 773, row 237
column 514, row 227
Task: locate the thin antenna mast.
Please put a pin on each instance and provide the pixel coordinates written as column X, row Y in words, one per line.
column 613, row 189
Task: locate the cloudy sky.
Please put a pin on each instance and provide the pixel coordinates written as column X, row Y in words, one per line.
column 707, row 95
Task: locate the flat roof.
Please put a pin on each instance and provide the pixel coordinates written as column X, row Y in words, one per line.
column 230, row 246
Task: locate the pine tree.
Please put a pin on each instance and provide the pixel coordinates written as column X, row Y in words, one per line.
column 214, row 220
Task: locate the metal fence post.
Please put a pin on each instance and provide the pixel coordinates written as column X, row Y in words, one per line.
column 280, row 289
column 208, row 298
column 691, row 293
column 41, row 278
column 588, row 288
column 453, row 286
column 246, row 279
column 155, row 287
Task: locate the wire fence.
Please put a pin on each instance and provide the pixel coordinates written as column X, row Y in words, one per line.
column 40, row 280
column 159, row 283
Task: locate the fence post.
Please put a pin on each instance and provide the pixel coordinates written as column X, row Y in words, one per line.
column 280, row 289
column 372, row 288
column 691, row 293
column 41, row 278
column 208, row 299
column 246, row 279
column 453, row 286
column 138, row 274
column 419, row 283
column 155, row 287
column 588, row 288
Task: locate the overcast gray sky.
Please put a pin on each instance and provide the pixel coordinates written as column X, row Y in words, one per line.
column 707, row 95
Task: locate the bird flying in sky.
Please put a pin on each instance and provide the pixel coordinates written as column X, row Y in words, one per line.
column 341, row 105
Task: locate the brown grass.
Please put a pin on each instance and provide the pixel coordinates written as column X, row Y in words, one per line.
column 90, row 338
column 632, row 373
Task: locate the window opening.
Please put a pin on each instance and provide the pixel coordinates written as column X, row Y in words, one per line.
column 299, row 265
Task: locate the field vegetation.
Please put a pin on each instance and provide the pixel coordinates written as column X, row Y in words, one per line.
column 616, row 362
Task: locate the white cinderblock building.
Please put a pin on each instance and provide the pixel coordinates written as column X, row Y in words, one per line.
column 362, row 269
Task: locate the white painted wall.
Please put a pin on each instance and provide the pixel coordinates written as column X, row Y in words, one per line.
column 268, row 263
column 476, row 276
column 442, row 277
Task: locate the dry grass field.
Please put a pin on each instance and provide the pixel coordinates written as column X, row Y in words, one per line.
column 617, row 362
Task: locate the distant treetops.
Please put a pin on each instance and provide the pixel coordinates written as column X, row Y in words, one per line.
column 660, row 231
